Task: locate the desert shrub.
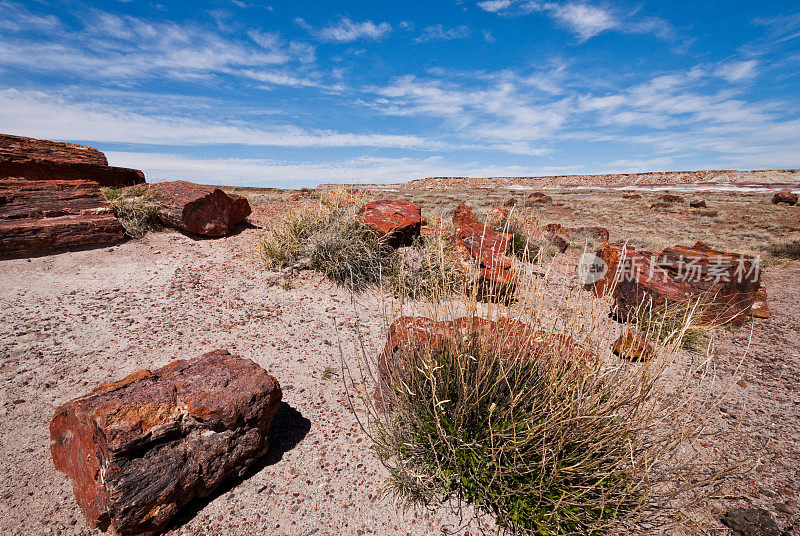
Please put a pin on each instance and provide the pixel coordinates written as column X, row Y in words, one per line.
column 786, row 250
column 328, row 238
column 674, row 321
column 546, row 437
column 134, row 208
column 425, row 269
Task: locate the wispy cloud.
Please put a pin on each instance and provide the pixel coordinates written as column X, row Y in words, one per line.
column 583, row 19
column 737, row 71
column 128, row 50
column 19, row 18
column 783, row 28
column 347, row 30
column 47, row 115
column 438, row 32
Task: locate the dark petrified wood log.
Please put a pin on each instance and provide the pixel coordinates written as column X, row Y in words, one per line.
column 197, row 208
column 43, row 216
column 138, row 450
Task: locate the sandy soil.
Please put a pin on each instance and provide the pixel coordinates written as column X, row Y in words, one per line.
column 72, row 320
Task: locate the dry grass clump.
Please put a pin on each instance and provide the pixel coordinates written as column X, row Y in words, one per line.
column 327, row 237
column 786, row 250
column 547, row 435
column 426, row 268
column 134, row 209
column 674, row 321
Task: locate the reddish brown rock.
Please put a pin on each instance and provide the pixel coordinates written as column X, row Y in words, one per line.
column 138, row 450
column 540, row 198
column 671, row 198
column 54, row 151
column 760, row 307
column 397, row 220
column 49, row 160
column 726, row 284
column 631, row 196
column 661, row 204
column 45, row 216
column 409, row 338
column 197, row 208
column 632, row 345
column 490, row 249
column 697, row 203
column 786, row 197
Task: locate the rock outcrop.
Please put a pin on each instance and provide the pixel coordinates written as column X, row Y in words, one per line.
column 34, row 159
column 398, row 221
column 726, row 284
column 197, row 208
column 491, row 250
column 44, row 216
column 786, row 197
column 138, row 450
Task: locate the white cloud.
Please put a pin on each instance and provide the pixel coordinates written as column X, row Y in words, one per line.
column 361, row 170
column 488, row 37
column 738, row 70
column 346, row 31
column 44, row 115
column 584, row 20
column 127, row 50
column 18, row 18
column 439, row 33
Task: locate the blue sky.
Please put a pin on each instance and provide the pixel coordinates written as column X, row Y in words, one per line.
column 298, row 93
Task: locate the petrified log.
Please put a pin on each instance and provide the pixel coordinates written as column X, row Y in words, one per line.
column 490, row 249
column 671, row 198
column 725, row 284
column 631, row 196
column 413, row 338
column 53, row 151
column 197, row 208
column 397, row 220
column 540, row 198
column 43, row 216
column 138, row 450
column 50, row 160
column 697, row 203
column 785, row 196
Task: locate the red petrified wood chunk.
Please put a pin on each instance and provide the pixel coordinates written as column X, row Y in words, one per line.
column 34, row 159
column 138, row 450
column 490, row 249
column 697, row 203
column 632, row 345
column 785, row 196
column 397, row 220
column 42, row 216
column 411, row 338
column 725, row 284
column 197, row 208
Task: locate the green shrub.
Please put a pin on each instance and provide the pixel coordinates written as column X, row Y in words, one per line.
column 134, row 208
column 547, row 438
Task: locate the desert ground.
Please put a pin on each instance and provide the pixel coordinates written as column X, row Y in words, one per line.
column 75, row 319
